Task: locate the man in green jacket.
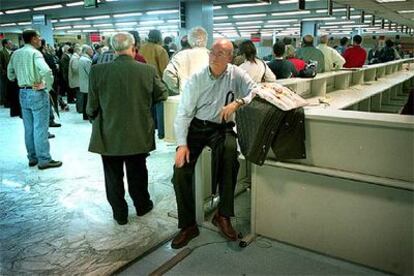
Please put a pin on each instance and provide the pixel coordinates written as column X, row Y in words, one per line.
column 309, row 53
column 120, row 98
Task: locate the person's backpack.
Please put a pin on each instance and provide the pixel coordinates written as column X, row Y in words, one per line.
column 310, row 70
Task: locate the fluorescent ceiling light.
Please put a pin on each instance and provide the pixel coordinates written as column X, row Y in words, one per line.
column 151, row 22
column 390, row 1
column 127, row 14
column 249, row 15
column 17, row 11
column 50, row 7
column 282, row 21
column 8, row 24
column 245, row 5
column 162, row 12
column 276, row 26
column 220, row 17
column 1, row 12
column 89, row 31
column 355, row 26
column 283, row 2
column 173, row 20
column 102, row 25
column 223, row 24
column 24, row 23
column 111, row 0
column 216, row 7
column 79, row 3
column 126, row 23
column 126, row 29
column 97, row 17
column 319, row 19
column 70, row 19
column 339, row 22
column 406, row 11
column 249, row 22
column 63, row 28
column 357, row 16
column 282, row 13
column 74, row 31
column 81, row 26
column 54, row 20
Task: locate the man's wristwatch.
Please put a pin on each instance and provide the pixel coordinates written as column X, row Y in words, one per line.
column 240, row 102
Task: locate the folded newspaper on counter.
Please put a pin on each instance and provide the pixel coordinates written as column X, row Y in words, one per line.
column 280, row 96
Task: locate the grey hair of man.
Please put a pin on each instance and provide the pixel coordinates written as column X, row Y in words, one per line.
column 77, row 49
column 85, row 48
column 65, row 48
column 197, row 37
column 122, row 41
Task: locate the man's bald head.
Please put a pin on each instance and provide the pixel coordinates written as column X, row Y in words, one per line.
column 221, row 54
column 224, row 45
column 308, row 40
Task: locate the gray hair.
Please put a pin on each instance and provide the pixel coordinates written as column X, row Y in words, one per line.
column 65, row 48
column 122, row 41
column 85, row 48
column 197, row 37
column 77, row 49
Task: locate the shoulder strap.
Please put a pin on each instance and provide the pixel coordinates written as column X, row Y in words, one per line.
column 264, row 74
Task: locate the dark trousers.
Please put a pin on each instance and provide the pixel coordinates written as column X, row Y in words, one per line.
column 137, row 176
column 84, row 97
column 224, row 147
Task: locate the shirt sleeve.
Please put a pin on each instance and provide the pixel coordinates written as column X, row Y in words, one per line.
column 269, row 76
column 337, row 59
column 170, row 77
column 245, row 85
column 186, row 110
column 44, row 70
column 11, row 74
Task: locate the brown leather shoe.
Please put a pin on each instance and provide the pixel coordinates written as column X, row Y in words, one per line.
column 225, row 227
column 185, row 236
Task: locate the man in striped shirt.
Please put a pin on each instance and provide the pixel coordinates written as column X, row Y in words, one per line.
column 35, row 80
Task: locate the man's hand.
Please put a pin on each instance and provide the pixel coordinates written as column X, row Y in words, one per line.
column 182, row 156
column 228, row 110
column 39, row 86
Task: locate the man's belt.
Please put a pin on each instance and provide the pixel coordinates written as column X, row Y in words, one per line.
column 26, row 87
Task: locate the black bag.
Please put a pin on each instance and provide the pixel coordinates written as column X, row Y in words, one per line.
column 310, row 70
column 261, row 126
column 257, row 125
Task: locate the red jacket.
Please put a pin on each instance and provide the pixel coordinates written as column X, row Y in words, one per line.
column 355, row 57
column 299, row 64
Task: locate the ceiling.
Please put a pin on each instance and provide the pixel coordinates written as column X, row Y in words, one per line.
column 231, row 22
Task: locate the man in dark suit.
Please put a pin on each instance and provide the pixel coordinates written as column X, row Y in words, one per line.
column 120, row 98
column 4, row 61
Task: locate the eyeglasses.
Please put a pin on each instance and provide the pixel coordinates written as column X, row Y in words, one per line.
column 219, row 54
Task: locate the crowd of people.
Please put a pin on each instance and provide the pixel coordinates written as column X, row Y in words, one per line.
column 120, row 87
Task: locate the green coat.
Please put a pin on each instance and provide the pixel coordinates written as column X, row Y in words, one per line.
column 120, row 98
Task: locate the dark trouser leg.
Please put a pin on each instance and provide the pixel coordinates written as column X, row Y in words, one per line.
column 114, row 185
column 227, row 183
column 84, row 97
column 183, row 179
column 137, row 175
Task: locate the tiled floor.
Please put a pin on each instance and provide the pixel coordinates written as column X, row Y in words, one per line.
column 58, row 221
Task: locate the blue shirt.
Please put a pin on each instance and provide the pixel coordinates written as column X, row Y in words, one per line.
column 204, row 96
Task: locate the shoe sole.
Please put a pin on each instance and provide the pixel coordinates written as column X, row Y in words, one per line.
column 49, row 167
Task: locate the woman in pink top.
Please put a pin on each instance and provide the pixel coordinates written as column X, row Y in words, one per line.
column 290, row 55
